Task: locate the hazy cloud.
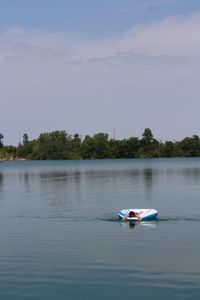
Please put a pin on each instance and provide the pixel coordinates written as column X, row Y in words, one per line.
column 21, row 51
column 149, row 76
column 165, row 41
column 131, row 59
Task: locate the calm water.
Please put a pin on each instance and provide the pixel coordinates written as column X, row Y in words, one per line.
column 61, row 239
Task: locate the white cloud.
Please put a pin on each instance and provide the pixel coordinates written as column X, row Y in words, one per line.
column 55, row 81
column 172, row 37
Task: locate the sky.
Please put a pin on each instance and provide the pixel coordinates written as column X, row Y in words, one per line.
column 89, row 66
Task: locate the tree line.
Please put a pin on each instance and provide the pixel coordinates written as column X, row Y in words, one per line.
column 61, row 145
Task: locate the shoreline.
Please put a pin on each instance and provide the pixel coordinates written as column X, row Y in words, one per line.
column 12, row 159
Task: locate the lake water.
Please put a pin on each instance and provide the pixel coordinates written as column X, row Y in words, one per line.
column 61, row 238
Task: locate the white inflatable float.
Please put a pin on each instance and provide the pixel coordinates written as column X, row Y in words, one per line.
column 136, row 214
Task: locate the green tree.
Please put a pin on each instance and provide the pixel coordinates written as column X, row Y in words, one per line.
column 150, row 147
column 1, row 140
column 97, row 146
column 101, row 145
column 53, row 145
column 25, row 139
column 132, row 146
column 88, row 148
column 147, row 137
column 167, row 149
column 76, row 147
column 114, row 146
column 190, row 146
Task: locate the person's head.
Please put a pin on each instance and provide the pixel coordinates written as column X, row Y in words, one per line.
column 131, row 214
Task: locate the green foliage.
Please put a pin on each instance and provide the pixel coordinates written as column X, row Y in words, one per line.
column 190, row 146
column 61, row 145
column 101, row 145
column 88, row 148
column 1, row 138
column 53, row 145
column 167, row 149
column 149, row 145
column 25, row 139
column 127, row 148
column 8, row 153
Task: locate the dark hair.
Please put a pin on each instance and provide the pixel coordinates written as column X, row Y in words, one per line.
column 131, row 214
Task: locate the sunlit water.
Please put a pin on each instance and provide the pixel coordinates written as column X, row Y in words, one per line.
column 61, row 239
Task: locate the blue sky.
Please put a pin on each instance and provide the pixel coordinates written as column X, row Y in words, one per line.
column 90, row 17
column 90, row 66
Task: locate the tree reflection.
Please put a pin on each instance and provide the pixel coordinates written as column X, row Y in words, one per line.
column 1, row 184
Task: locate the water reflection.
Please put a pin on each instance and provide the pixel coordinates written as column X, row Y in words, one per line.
column 94, row 187
column 71, row 188
column 192, row 175
column 1, row 180
column 132, row 225
column 135, row 225
column 187, row 175
column 61, row 188
column 84, row 250
column 146, row 178
column 26, row 180
column 1, row 185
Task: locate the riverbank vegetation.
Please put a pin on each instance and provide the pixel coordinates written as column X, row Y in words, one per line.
column 61, row 145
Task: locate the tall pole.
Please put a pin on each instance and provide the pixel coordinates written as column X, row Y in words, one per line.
column 19, row 137
column 114, row 133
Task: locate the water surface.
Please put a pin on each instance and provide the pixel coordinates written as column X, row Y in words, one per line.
column 61, row 239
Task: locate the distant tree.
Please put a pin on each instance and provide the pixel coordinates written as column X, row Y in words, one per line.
column 132, row 147
column 53, row 145
column 77, row 138
column 9, row 152
column 97, row 146
column 75, row 147
column 168, row 149
column 147, row 136
column 190, row 146
column 88, row 148
column 1, row 138
column 195, row 145
column 150, row 147
column 60, row 145
column 25, row 139
column 117, row 148
column 101, row 145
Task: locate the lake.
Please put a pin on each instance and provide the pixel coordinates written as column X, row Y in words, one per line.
column 61, row 238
